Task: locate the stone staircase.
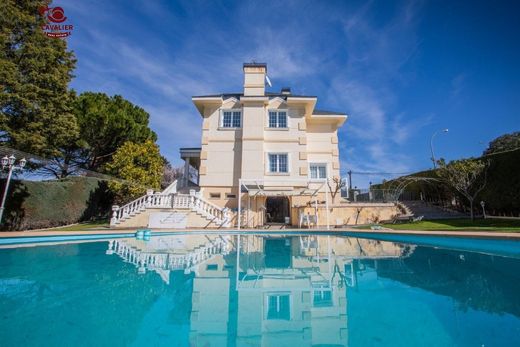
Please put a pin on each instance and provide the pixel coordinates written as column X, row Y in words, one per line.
column 430, row 211
column 212, row 213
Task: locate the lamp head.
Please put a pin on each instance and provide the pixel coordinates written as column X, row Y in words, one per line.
column 5, row 161
column 11, row 159
column 22, row 163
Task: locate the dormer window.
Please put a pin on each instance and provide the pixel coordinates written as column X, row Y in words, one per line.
column 231, row 119
column 277, row 119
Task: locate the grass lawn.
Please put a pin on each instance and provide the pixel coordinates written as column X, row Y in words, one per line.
column 506, row 225
column 83, row 226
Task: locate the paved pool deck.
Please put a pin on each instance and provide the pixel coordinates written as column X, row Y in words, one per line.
column 360, row 232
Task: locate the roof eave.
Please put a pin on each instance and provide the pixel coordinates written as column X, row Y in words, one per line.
column 201, row 101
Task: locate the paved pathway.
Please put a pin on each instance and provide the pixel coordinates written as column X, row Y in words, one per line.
column 480, row 234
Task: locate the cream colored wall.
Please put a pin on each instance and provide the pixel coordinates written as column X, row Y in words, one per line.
column 253, row 140
column 322, row 145
column 221, row 150
column 346, row 214
column 254, row 81
column 140, row 220
column 230, row 154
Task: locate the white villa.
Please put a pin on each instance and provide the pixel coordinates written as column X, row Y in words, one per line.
column 264, row 158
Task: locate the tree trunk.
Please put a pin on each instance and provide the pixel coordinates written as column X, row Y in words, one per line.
column 471, row 209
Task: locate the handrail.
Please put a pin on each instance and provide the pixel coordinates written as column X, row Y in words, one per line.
column 192, row 201
column 166, row 260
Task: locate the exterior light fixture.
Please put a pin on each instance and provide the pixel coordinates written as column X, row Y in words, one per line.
column 9, row 163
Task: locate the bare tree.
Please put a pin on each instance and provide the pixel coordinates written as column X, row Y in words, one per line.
column 337, row 185
column 466, row 176
column 170, row 174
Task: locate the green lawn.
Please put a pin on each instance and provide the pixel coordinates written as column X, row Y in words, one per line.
column 83, row 226
column 459, row 225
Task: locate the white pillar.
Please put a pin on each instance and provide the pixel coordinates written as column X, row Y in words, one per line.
column 327, row 202
column 186, row 170
column 239, row 201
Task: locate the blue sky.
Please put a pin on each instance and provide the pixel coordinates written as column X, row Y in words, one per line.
column 400, row 69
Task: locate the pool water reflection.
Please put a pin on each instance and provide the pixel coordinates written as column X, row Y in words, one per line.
column 251, row 290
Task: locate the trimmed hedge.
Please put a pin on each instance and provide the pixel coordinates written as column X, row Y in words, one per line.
column 34, row 205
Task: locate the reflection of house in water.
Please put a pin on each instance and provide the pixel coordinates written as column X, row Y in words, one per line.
column 261, row 290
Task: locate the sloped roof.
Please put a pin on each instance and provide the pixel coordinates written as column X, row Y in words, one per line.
column 327, row 113
column 238, row 95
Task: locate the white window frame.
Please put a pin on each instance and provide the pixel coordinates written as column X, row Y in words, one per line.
column 277, row 111
column 266, row 304
column 221, row 121
column 278, row 163
column 318, row 164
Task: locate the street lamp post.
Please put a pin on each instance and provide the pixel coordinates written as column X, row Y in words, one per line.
column 431, row 145
column 8, row 162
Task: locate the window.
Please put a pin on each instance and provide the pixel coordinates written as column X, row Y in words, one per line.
column 277, row 119
column 318, row 171
column 279, row 307
column 231, row 196
column 212, row 267
column 322, row 298
column 278, row 163
column 214, row 195
column 231, row 119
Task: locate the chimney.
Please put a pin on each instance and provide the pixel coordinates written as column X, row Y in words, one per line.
column 254, row 79
column 286, row 91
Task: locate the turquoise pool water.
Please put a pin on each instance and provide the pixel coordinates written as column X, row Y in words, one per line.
column 252, row 290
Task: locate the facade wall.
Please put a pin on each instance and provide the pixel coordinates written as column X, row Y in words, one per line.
column 349, row 214
column 141, row 219
column 228, row 154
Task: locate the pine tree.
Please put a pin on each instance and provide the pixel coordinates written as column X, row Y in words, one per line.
column 35, row 70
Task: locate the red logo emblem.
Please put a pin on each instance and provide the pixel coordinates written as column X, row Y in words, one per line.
column 55, row 15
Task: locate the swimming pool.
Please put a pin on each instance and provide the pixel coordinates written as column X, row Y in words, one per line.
column 260, row 289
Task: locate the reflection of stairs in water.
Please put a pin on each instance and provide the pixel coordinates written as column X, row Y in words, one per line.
column 165, row 260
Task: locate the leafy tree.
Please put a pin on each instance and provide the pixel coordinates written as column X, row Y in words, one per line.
column 139, row 166
column 504, row 143
column 105, row 124
column 466, row 176
column 35, row 70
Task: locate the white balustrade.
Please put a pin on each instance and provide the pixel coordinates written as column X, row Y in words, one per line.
column 181, row 201
column 169, row 261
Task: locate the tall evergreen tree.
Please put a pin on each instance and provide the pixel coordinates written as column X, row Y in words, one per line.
column 35, row 70
column 106, row 123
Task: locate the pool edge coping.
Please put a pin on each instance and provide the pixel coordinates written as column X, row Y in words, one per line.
column 112, row 232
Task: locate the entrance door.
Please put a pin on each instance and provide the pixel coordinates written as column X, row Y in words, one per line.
column 277, row 208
